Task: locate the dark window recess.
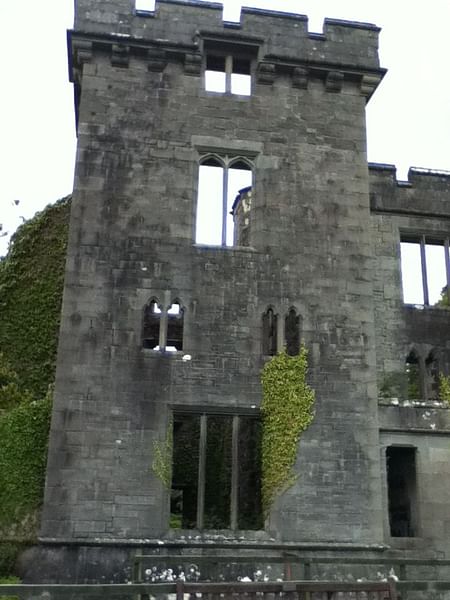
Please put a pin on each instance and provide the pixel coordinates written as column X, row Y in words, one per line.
column 163, row 328
column 175, row 327
column 215, row 63
column 152, row 323
column 216, row 472
column 270, row 332
column 412, row 369
column 241, row 66
column 431, row 377
column 402, row 493
column 292, row 333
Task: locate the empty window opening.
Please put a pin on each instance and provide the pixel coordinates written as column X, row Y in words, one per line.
column 425, row 267
column 163, row 328
column 402, row 493
column 175, row 328
column 216, row 472
column 228, row 74
column 431, row 377
column 220, row 180
column 151, row 326
column 270, row 332
column 292, row 332
column 145, row 5
column 413, row 376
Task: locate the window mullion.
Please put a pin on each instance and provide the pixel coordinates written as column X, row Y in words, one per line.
column 423, row 260
column 228, row 72
column 234, row 473
column 201, row 472
column 163, row 330
column 224, row 205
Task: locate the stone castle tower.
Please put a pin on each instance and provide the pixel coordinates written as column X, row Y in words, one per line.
column 171, row 309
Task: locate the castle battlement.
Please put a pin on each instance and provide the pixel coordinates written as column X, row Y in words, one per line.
column 425, row 192
column 278, row 40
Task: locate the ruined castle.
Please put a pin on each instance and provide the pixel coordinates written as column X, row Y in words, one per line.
column 223, row 210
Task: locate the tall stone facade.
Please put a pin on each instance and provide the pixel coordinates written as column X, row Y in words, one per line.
column 156, row 325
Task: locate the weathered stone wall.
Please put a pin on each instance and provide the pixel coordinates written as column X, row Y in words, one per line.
column 140, row 135
column 317, row 241
column 419, row 206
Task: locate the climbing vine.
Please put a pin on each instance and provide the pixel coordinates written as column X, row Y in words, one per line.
column 162, row 461
column 444, row 388
column 23, row 456
column 31, row 284
column 287, row 411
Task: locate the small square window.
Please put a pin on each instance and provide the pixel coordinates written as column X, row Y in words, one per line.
column 228, row 75
column 145, row 5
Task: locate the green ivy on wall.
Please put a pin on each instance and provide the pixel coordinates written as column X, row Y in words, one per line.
column 31, row 285
column 163, row 454
column 23, row 455
column 444, row 388
column 287, row 411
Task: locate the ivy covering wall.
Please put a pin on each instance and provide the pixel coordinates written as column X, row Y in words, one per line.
column 287, row 411
column 31, row 282
column 31, row 285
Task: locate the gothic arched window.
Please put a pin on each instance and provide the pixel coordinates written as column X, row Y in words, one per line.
column 413, row 376
column 431, row 376
column 292, row 332
column 163, row 327
column 152, row 325
column 175, row 318
column 270, row 331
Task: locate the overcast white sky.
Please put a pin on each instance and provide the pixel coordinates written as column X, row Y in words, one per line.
column 408, row 118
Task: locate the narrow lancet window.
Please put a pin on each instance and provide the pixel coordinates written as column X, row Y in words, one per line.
column 292, row 332
column 269, row 322
column 431, row 377
column 152, row 325
column 412, row 370
column 175, row 317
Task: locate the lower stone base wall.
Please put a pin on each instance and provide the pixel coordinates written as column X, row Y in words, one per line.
column 57, row 563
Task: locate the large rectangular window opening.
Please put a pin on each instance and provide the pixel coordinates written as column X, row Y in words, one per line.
column 220, row 180
column 216, row 478
column 228, row 75
column 402, row 491
column 425, row 270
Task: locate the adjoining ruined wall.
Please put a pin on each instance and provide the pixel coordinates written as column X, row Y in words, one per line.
column 417, row 207
column 420, row 206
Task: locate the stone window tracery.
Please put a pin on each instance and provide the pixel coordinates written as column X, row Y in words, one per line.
column 163, row 327
column 220, row 180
